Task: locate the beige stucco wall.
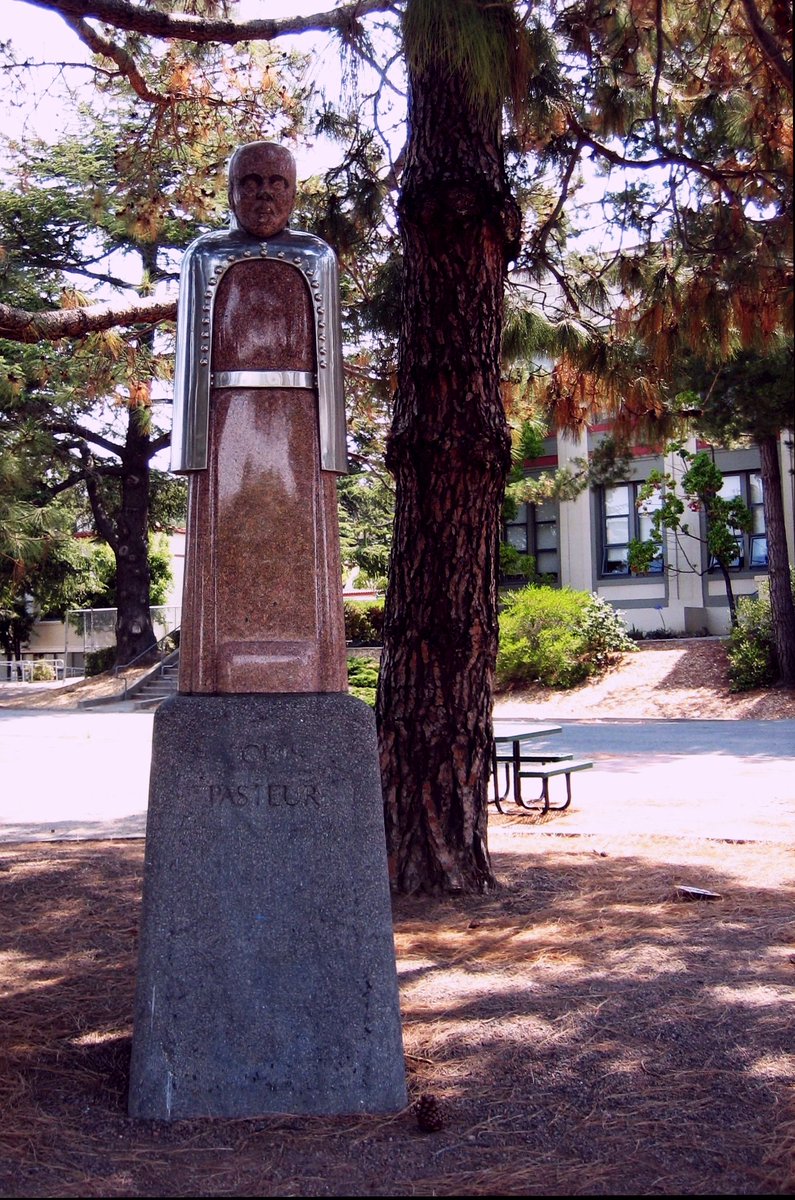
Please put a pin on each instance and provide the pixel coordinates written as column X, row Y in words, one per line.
column 575, row 535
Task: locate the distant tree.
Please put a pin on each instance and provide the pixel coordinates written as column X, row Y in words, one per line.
column 99, row 589
column 45, row 569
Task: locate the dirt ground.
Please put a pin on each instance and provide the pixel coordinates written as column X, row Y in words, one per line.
column 585, row 1030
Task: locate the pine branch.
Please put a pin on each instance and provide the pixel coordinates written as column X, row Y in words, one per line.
column 64, row 485
column 20, row 325
column 768, row 44
column 563, row 284
column 541, row 235
column 86, row 435
column 53, row 264
column 159, row 443
column 124, row 61
column 665, row 158
column 187, row 27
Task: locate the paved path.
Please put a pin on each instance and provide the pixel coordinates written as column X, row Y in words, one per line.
column 73, row 774
column 717, row 779
column 85, row 775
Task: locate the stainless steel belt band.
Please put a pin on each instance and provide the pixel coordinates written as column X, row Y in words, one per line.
column 263, row 379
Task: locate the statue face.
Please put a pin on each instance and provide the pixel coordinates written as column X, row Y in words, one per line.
column 262, row 188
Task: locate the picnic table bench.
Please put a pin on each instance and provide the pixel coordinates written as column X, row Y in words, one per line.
column 512, row 749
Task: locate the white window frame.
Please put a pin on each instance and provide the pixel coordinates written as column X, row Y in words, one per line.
column 637, row 526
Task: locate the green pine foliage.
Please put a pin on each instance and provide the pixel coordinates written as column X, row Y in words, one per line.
column 557, row 637
column 487, row 44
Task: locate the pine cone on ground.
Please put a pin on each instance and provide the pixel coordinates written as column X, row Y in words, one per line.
column 429, row 1115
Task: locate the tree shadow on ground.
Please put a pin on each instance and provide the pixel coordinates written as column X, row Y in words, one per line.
column 708, row 661
column 706, row 665
column 585, row 1031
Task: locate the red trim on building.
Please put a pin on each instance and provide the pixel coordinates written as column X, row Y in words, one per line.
column 546, row 460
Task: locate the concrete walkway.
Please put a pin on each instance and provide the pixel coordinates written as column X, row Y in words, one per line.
column 76, row 775
column 732, row 780
column 73, row 774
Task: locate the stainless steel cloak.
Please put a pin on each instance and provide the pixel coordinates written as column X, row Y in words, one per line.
column 204, row 265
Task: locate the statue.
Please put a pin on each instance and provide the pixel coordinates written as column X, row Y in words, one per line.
column 266, row 910
column 259, row 425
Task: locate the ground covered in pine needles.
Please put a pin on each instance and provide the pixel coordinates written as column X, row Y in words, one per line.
column 584, row 1030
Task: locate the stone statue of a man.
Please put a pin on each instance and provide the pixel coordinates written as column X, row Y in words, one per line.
column 259, row 424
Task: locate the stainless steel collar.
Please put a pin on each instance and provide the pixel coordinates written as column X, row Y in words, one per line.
column 263, row 379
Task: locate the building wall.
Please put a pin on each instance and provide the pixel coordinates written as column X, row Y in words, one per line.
column 679, row 599
column 575, row 524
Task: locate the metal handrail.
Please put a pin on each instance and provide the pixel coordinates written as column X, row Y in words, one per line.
column 24, row 669
column 153, row 649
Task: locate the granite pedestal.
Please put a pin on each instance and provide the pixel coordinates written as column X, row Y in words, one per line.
column 266, row 976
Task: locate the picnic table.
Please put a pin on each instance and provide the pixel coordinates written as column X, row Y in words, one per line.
column 513, row 749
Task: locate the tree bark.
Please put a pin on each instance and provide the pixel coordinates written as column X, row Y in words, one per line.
column 134, row 632
column 781, row 602
column 189, row 27
column 449, row 450
column 127, row 534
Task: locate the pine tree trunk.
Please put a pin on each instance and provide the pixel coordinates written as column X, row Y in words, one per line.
column 781, row 602
column 449, row 450
column 127, row 534
column 134, row 632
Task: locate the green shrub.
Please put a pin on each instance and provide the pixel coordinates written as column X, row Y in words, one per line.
column 363, row 678
column 560, row 658
column 604, row 630
column 98, row 661
column 752, row 652
column 514, row 563
column 557, row 637
column 750, row 663
column 42, row 672
column 364, row 622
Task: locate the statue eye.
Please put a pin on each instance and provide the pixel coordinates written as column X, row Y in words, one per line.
column 250, row 185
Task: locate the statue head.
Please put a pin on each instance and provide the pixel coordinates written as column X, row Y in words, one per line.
column 262, row 187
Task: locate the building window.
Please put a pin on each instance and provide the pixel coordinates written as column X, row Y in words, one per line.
column 534, row 530
column 623, row 522
column 751, row 546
